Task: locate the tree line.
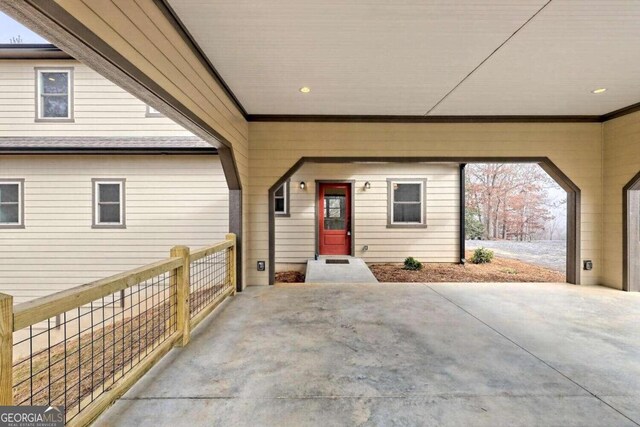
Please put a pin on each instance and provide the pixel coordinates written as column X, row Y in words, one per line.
column 509, row 201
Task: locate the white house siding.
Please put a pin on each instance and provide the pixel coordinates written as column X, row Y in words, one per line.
column 100, row 107
column 170, row 200
column 295, row 235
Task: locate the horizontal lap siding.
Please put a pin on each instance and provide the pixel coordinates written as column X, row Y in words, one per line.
column 621, row 164
column 295, row 235
column 170, row 200
column 100, row 107
column 576, row 148
column 139, row 31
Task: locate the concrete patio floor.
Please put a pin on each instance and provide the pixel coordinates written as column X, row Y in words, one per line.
column 401, row 354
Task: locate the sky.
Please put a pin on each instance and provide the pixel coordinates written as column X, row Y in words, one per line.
column 10, row 28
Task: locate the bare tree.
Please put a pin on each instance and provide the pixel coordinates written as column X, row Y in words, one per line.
column 510, row 199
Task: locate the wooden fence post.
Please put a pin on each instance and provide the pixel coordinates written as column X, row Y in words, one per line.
column 6, row 350
column 181, row 289
column 231, row 262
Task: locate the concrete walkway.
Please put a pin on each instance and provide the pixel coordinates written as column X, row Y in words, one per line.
column 322, row 271
column 414, row 354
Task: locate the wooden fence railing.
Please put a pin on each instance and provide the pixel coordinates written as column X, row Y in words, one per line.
column 84, row 347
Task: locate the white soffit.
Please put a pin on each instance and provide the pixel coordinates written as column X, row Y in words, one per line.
column 402, row 57
column 551, row 66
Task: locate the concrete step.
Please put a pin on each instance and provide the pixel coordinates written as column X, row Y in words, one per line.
column 338, row 269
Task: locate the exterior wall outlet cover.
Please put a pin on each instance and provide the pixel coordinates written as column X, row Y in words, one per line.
column 262, row 266
column 588, row 264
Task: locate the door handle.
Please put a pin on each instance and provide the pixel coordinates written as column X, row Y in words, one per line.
column 349, row 233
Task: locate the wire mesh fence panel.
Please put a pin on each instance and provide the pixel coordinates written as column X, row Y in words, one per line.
column 83, row 347
column 210, row 276
column 74, row 359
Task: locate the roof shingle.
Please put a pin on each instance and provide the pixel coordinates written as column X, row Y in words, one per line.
column 155, row 143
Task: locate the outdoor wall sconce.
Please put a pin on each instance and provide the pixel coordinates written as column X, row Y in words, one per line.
column 302, row 185
column 367, row 185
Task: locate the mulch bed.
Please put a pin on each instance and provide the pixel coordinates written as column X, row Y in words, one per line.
column 498, row 270
column 289, row 277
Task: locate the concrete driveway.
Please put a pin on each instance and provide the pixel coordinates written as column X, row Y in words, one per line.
column 546, row 253
column 437, row 354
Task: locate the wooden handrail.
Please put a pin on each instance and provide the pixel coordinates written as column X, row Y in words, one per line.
column 201, row 253
column 180, row 286
column 37, row 310
column 6, row 350
column 14, row 319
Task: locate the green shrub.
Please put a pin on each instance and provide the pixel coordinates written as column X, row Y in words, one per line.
column 482, row 256
column 412, row 264
column 473, row 228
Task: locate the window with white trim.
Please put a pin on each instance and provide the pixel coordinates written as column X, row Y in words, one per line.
column 108, row 203
column 54, row 89
column 281, row 199
column 11, row 204
column 407, row 203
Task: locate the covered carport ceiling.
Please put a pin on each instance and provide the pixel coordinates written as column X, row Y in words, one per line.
column 417, row 57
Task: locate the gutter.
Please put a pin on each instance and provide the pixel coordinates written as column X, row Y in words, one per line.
column 120, row 150
column 32, row 51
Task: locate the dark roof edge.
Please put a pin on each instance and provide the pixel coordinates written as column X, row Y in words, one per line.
column 315, row 118
column 421, row 119
column 32, row 51
column 103, row 150
column 621, row 112
column 181, row 29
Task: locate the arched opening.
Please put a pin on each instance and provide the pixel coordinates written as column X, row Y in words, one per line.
column 573, row 200
column 631, row 235
column 516, row 213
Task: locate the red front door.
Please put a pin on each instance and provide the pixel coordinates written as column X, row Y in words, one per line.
column 334, row 219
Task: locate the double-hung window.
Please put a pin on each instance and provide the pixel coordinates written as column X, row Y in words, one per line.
column 11, row 203
column 108, row 203
column 54, row 97
column 281, row 200
column 407, row 206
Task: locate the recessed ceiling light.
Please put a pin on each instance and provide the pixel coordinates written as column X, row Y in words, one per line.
column 305, row 89
column 599, row 90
